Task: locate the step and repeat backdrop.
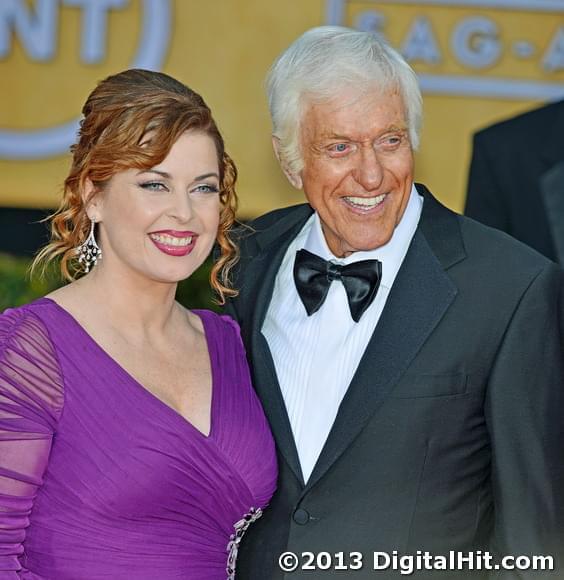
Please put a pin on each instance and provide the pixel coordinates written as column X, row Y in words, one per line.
column 479, row 61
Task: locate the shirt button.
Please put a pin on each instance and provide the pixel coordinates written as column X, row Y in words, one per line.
column 301, row 516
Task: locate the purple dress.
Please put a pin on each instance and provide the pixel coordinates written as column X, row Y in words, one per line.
column 100, row 479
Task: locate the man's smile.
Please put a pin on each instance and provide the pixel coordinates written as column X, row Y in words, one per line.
column 365, row 203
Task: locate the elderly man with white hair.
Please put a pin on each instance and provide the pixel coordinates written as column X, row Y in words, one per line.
column 410, row 360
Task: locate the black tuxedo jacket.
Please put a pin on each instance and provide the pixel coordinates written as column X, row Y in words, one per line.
column 451, row 433
column 516, row 181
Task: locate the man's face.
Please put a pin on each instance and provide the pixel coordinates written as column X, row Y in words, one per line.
column 358, row 167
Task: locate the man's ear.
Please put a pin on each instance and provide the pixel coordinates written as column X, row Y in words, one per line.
column 294, row 178
column 92, row 199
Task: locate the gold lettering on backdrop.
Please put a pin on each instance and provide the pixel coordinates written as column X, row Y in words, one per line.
column 470, row 47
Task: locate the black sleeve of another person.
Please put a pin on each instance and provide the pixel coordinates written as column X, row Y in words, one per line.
column 484, row 201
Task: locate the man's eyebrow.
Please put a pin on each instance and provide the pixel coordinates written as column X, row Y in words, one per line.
column 339, row 136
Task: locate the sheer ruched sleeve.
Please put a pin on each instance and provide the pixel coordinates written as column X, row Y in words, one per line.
column 31, row 400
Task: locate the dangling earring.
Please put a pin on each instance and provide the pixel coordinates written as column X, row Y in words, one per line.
column 89, row 252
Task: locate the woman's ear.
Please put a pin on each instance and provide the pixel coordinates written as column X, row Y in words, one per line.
column 92, row 199
column 294, row 178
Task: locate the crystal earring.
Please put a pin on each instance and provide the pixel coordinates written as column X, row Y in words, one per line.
column 89, row 252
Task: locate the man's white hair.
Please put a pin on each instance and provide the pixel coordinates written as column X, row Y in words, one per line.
column 320, row 65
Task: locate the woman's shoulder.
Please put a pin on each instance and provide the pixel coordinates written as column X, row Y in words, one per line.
column 219, row 323
column 222, row 333
column 28, row 359
column 25, row 320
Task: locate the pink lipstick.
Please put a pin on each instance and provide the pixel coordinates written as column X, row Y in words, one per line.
column 174, row 242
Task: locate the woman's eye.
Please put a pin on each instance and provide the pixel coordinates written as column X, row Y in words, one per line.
column 154, row 186
column 206, row 188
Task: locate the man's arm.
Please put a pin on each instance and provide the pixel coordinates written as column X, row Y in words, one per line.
column 525, row 418
column 484, row 198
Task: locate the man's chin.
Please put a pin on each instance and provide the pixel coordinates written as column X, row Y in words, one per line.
column 370, row 237
column 367, row 245
column 362, row 247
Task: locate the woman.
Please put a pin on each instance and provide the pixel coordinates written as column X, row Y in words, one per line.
column 131, row 442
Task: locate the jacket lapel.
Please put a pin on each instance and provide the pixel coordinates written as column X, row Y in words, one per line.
column 273, row 244
column 421, row 294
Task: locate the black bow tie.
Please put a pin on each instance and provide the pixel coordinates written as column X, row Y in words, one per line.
column 313, row 276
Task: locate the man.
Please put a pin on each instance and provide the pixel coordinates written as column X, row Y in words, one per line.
column 409, row 360
column 516, row 181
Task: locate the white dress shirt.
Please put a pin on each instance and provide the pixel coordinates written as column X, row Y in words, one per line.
column 316, row 356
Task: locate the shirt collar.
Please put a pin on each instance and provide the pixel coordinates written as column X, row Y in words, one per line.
column 391, row 254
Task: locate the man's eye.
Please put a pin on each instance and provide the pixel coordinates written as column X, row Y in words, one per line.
column 391, row 141
column 154, row 186
column 339, row 148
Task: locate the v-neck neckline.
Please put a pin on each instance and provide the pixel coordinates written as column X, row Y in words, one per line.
column 203, row 316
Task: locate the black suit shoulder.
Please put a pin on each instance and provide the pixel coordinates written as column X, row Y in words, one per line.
column 246, row 235
column 254, row 237
column 272, row 217
column 508, row 162
column 511, row 132
column 503, row 265
column 484, row 243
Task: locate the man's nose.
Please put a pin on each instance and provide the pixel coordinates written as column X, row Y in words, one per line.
column 369, row 171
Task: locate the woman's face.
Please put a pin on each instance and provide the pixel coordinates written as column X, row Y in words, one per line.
column 161, row 223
